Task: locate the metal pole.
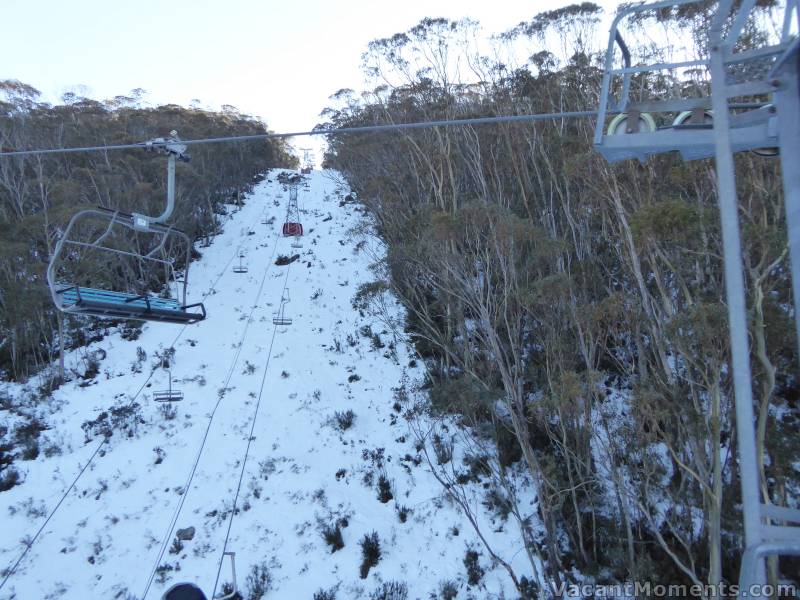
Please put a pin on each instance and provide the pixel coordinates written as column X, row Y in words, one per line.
column 787, row 101
column 170, row 191
column 736, row 298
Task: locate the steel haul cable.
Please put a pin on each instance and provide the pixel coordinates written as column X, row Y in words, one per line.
column 179, row 507
column 579, row 114
column 249, row 442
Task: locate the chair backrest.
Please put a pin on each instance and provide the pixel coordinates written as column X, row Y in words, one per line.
column 184, row 591
column 292, row 229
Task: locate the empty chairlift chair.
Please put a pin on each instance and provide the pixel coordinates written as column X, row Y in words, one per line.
column 280, row 318
column 242, row 266
column 170, row 394
column 107, row 263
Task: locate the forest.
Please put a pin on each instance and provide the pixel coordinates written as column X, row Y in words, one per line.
column 571, row 313
column 39, row 193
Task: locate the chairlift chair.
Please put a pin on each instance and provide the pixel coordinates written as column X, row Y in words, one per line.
column 241, row 267
column 189, row 591
column 280, row 317
column 292, row 226
column 635, row 133
column 97, row 246
column 168, row 395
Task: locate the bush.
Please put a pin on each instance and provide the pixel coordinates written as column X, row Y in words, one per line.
column 8, row 479
column 168, row 411
column 402, row 513
column 131, row 330
column 282, row 260
column 497, row 502
column 124, row 418
column 325, row 594
column 474, row 570
column 390, row 590
column 443, row 448
column 332, row 534
column 176, row 547
column 448, row 590
column 258, row 582
column 370, row 552
column 344, row 420
column 384, row 489
column 27, row 437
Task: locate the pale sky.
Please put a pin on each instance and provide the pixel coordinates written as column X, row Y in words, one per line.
column 276, row 60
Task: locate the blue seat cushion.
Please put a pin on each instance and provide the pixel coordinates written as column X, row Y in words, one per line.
column 70, row 297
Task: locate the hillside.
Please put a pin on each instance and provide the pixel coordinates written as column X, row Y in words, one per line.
column 309, row 464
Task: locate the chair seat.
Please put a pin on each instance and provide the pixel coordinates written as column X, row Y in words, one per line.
column 123, row 305
column 292, row 229
column 168, row 396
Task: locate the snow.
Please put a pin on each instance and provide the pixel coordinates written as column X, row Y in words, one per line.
column 302, row 470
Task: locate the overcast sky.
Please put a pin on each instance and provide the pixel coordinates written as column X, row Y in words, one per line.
column 277, row 60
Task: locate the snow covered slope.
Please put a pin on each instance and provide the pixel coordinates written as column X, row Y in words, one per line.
column 306, row 469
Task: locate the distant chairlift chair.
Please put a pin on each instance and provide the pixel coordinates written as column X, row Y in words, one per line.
column 95, row 245
column 292, row 226
column 241, row 267
column 280, row 319
column 170, row 394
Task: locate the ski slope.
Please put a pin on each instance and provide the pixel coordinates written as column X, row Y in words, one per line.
column 239, row 372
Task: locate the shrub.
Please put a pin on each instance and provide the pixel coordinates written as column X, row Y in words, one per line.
column 370, row 552
column 131, row 330
column 332, row 534
column 376, row 342
column 344, row 420
column 27, row 437
column 176, row 547
column 443, row 448
column 285, row 260
column 123, row 418
column 168, row 411
column 163, row 572
column 8, row 479
column 322, row 594
column 402, row 513
column 384, row 489
column 390, row 590
column 497, row 502
column 368, row 293
column 474, row 570
column 448, row 590
column 259, row 582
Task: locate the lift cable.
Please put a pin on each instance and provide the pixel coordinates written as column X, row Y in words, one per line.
column 579, row 114
column 179, row 506
column 249, row 442
column 551, row 116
